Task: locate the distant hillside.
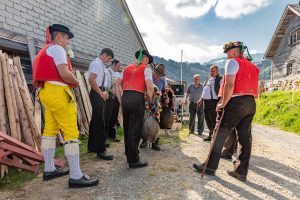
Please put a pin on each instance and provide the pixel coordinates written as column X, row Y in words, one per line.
column 189, row 69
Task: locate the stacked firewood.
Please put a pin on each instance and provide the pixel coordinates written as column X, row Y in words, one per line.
column 17, row 110
column 83, row 102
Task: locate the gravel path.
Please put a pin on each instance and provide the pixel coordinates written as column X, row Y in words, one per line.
column 274, row 173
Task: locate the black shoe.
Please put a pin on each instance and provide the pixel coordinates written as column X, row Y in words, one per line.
column 84, row 181
column 116, row 140
column 54, row 174
column 199, row 168
column 138, row 164
column 227, row 157
column 107, row 145
column 105, row 156
column 207, row 139
column 237, row 176
column 155, row 145
column 199, row 133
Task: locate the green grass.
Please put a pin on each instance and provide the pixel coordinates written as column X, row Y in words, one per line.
column 16, row 178
column 278, row 110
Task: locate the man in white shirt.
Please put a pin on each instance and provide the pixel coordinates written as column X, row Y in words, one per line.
column 98, row 96
column 210, row 99
column 52, row 71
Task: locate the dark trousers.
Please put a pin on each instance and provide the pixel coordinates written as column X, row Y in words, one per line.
column 133, row 114
column 111, row 116
column 239, row 113
column 200, row 115
column 210, row 114
column 230, row 144
column 96, row 142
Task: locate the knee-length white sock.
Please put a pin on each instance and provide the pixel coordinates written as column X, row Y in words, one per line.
column 48, row 149
column 72, row 154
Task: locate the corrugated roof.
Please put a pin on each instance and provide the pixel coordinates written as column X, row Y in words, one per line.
column 290, row 11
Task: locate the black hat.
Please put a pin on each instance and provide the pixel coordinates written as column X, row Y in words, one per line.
column 61, row 28
column 232, row 45
column 160, row 69
column 146, row 53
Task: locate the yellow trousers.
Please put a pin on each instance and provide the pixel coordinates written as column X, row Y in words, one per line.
column 60, row 111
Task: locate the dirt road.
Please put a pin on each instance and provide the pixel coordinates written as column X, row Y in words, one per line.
column 274, row 173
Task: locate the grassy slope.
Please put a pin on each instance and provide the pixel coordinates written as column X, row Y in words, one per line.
column 277, row 109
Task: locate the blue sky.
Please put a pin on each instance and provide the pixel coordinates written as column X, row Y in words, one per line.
column 201, row 27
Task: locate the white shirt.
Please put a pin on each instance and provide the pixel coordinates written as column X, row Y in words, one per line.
column 209, row 89
column 97, row 67
column 59, row 55
column 111, row 78
column 231, row 67
column 147, row 73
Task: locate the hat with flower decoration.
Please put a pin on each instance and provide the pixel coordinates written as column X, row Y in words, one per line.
column 237, row 44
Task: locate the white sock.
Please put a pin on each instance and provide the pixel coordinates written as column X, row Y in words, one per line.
column 72, row 153
column 48, row 149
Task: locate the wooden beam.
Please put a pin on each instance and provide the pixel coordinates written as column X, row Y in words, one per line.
column 31, row 49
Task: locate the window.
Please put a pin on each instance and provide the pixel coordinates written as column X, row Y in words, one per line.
column 294, row 37
column 289, row 69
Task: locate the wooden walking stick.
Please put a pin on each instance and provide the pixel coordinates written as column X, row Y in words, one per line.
column 217, row 127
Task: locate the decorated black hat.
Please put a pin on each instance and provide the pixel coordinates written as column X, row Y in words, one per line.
column 232, row 45
column 237, row 44
column 140, row 53
column 61, row 28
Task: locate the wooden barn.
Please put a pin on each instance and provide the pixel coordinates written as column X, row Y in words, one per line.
column 284, row 48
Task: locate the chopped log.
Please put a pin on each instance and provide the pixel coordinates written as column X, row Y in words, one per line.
column 84, row 119
column 29, row 113
column 38, row 114
column 17, row 62
column 84, row 96
column 3, row 113
column 86, row 78
column 12, row 81
column 26, row 130
column 3, row 122
column 8, row 96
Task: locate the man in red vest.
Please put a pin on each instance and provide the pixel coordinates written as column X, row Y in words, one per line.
column 52, row 71
column 135, row 80
column 238, row 91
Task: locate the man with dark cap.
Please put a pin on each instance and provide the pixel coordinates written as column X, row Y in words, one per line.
column 237, row 105
column 135, row 79
column 158, row 76
column 52, row 72
column 99, row 94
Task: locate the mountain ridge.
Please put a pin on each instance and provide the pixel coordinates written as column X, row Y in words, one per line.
column 191, row 68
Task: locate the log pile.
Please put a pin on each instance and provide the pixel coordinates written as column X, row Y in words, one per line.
column 16, row 118
column 21, row 115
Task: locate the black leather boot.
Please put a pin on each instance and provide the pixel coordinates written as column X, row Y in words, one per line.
column 155, row 145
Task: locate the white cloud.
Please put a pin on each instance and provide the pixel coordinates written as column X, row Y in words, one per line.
column 253, row 51
column 189, row 8
column 165, row 31
column 236, row 8
column 165, row 35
